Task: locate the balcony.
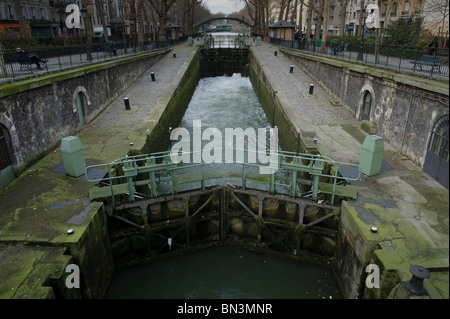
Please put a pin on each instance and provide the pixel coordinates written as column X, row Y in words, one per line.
column 404, row 13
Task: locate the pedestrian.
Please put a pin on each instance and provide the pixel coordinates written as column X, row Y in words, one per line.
column 24, row 57
column 339, row 48
column 431, row 50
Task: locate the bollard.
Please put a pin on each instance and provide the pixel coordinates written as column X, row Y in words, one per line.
column 153, row 76
column 311, row 89
column 415, row 284
column 127, row 103
column 276, row 53
column 292, row 69
column 174, row 55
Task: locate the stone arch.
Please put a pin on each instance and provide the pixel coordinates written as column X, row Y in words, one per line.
column 80, row 99
column 16, row 154
column 365, row 111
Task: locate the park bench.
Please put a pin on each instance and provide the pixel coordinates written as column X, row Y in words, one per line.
column 341, row 52
column 108, row 48
column 24, row 62
column 430, row 60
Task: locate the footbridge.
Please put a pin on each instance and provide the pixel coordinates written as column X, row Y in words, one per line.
column 297, row 175
column 211, row 19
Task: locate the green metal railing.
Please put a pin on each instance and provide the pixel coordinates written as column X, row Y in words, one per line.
column 125, row 174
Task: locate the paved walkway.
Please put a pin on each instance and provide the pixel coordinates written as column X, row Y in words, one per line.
column 38, row 207
column 409, row 208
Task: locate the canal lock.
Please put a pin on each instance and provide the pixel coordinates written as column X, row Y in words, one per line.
column 152, row 227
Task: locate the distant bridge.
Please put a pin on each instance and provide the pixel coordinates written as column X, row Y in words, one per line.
column 211, row 19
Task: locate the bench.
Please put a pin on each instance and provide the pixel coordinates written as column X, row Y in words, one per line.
column 108, row 48
column 27, row 61
column 24, row 62
column 430, row 60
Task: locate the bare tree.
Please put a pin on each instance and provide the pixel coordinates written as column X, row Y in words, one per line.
column 360, row 21
column 326, row 8
column 100, row 11
column 87, row 4
column 436, row 14
column 258, row 12
column 310, row 14
column 20, row 17
column 189, row 12
column 161, row 8
column 342, row 19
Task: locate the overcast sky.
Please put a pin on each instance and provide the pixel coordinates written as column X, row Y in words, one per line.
column 225, row 6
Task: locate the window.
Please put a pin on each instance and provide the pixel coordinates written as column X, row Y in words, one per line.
column 394, row 9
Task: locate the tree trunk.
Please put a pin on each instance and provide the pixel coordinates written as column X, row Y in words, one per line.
column 99, row 8
column 88, row 23
column 360, row 22
column 326, row 8
column 112, row 9
column 140, row 23
column 288, row 6
column 343, row 16
column 310, row 14
column 22, row 22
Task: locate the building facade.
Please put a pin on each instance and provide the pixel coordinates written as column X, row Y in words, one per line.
column 434, row 13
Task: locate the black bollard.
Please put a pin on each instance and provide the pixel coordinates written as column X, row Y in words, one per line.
column 127, row 103
column 153, row 76
column 415, row 284
column 174, row 55
column 311, row 89
column 292, row 69
column 276, row 53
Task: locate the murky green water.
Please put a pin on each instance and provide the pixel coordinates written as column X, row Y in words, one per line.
column 225, row 272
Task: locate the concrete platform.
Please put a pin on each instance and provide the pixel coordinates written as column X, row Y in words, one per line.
column 39, row 206
column 409, row 208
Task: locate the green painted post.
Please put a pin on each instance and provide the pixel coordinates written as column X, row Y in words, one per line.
column 258, row 41
column 293, row 183
column 111, row 186
column 152, row 161
column 272, row 183
column 315, row 187
column 203, row 177
column 153, row 185
column 243, row 177
column 129, row 171
column 174, row 182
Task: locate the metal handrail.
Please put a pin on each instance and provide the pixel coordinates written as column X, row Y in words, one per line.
column 311, row 164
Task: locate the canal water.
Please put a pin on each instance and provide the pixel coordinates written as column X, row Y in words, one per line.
column 226, row 104
column 225, row 272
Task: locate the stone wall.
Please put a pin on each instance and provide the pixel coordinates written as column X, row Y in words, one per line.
column 39, row 112
column 404, row 108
